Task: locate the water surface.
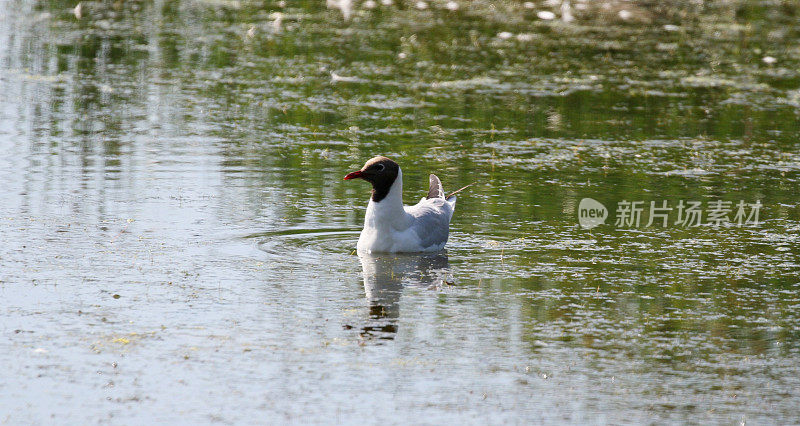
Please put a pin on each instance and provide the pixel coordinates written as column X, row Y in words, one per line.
column 178, row 245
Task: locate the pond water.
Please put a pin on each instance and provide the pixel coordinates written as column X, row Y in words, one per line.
column 178, row 243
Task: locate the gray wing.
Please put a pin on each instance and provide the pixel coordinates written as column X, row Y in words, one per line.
column 436, row 190
column 433, row 217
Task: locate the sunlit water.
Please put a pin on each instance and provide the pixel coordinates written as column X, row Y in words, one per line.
column 178, row 244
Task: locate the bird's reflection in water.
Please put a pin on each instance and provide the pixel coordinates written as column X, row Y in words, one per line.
column 384, row 278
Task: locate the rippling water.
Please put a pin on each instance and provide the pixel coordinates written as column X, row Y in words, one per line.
column 178, row 245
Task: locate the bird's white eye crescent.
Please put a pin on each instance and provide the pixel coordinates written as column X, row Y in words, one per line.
column 380, row 167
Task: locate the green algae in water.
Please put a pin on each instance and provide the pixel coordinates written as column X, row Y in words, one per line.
column 223, row 130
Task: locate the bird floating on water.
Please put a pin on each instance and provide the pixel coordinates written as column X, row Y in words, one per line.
column 391, row 227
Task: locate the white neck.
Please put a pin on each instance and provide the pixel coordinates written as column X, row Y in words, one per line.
column 389, row 211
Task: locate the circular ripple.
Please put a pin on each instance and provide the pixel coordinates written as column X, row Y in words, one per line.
column 307, row 245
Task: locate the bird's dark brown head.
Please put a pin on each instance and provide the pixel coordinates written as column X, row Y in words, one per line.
column 381, row 172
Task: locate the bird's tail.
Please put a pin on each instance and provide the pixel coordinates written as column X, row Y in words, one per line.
column 458, row 190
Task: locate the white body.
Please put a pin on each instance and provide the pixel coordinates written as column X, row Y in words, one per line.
column 391, row 227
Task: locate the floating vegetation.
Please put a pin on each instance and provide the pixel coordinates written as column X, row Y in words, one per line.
column 178, row 247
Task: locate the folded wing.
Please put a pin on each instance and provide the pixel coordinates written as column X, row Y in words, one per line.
column 432, row 221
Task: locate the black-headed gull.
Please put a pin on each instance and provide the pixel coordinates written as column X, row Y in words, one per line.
column 391, row 227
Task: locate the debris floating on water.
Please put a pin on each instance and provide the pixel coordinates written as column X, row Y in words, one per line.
column 566, row 12
column 277, row 21
column 344, row 6
column 335, row 78
column 546, row 15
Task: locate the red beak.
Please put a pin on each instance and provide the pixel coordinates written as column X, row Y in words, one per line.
column 355, row 175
